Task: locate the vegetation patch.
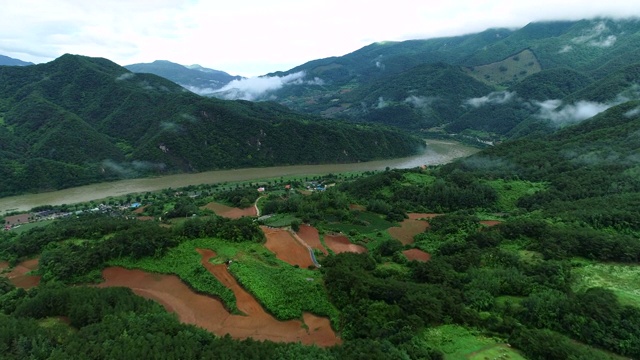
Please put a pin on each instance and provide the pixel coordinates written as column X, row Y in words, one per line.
column 619, row 278
column 184, row 261
column 510, row 191
column 457, row 342
column 510, row 70
column 284, row 290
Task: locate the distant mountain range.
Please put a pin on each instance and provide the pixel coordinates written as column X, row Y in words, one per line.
column 8, row 61
column 195, row 78
column 77, row 120
column 491, row 85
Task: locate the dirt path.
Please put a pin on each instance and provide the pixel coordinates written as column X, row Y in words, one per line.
column 303, row 243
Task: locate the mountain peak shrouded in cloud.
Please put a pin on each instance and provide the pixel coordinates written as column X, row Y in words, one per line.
column 194, row 78
column 260, row 88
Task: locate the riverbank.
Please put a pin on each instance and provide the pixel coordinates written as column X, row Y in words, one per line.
column 437, row 152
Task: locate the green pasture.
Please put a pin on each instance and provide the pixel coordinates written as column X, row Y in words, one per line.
column 509, row 191
column 623, row 280
column 459, row 343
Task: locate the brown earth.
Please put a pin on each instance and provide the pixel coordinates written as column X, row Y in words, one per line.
column 357, row 207
column 286, row 247
column 340, row 243
column 408, row 229
column 490, row 222
column 230, row 212
column 18, row 275
column 310, row 235
column 417, row 254
column 208, row 313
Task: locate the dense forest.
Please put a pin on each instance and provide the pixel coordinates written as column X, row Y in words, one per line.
column 554, row 276
column 77, row 120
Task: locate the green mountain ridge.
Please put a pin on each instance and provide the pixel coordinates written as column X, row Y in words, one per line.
column 77, row 120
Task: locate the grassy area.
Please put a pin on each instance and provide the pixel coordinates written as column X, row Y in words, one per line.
column 498, row 351
column 280, row 220
column 366, row 223
column 510, row 191
column 28, row 226
column 623, row 280
column 459, row 343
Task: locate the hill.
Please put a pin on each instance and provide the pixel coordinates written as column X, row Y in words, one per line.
column 195, row 78
column 539, row 63
column 8, row 61
column 77, row 120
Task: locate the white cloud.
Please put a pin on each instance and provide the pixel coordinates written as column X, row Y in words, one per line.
column 258, row 87
column 554, row 111
column 251, row 37
column 381, row 103
column 421, row 102
column 595, row 37
column 125, row 76
column 606, row 42
column 565, row 49
column 496, row 97
column 633, row 112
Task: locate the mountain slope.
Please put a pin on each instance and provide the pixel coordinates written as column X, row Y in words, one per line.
column 8, row 61
column 194, row 78
column 77, row 120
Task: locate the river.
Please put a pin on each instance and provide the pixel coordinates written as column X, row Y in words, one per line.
column 437, row 152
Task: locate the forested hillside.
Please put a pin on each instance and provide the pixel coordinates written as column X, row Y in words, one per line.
column 530, row 249
column 77, row 120
column 494, row 85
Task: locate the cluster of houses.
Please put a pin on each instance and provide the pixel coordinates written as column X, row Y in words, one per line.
column 14, row 221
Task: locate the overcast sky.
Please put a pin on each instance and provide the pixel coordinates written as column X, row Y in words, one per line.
column 254, row 37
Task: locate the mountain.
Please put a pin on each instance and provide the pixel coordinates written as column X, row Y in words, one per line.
column 77, row 120
column 7, row 61
column 195, row 78
column 494, row 79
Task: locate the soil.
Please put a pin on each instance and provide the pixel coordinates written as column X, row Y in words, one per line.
column 19, row 277
column 310, row 235
column 409, row 228
column 340, row 243
column 490, row 222
column 208, row 312
column 417, row 254
column 286, row 247
column 230, row 212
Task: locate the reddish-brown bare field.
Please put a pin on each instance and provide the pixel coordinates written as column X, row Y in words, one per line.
column 310, row 235
column 340, row 243
column 18, row 275
column 408, row 229
column 230, row 212
column 417, row 254
column 490, row 222
column 145, row 218
column 286, row 247
column 208, row 313
column 417, row 216
column 357, row 207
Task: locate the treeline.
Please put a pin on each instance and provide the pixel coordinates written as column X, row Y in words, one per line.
column 74, row 250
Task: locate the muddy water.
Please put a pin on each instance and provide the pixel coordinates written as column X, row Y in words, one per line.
column 438, row 152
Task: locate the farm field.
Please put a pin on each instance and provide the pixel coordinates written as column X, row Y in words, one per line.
column 619, row 278
column 230, row 212
column 286, row 247
column 19, row 276
column 340, row 243
column 409, row 228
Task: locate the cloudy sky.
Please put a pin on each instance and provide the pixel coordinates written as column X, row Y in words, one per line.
column 254, row 37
